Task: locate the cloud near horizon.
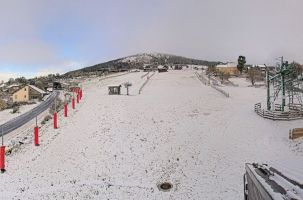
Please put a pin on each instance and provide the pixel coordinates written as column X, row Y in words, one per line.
column 38, row 37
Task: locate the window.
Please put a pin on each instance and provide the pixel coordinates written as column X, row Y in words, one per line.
column 24, row 96
column 25, row 89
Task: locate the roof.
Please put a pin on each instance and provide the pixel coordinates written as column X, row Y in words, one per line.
column 2, row 85
column 229, row 64
column 13, row 85
column 260, row 66
column 37, row 89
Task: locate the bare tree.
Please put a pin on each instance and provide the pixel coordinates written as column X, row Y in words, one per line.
column 254, row 75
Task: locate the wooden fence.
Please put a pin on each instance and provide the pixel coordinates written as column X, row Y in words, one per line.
column 205, row 82
column 278, row 114
column 145, row 82
column 144, row 75
column 295, row 133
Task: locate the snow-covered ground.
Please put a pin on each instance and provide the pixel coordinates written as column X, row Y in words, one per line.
column 177, row 130
column 7, row 114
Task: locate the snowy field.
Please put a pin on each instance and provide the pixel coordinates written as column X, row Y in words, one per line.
column 7, row 114
column 177, row 130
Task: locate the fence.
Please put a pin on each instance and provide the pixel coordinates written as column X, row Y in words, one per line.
column 278, row 115
column 295, row 133
column 205, row 82
column 26, row 117
column 144, row 75
column 146, row 81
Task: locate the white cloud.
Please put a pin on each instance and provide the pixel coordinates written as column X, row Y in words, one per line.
column 60, row 68
column 5, row 76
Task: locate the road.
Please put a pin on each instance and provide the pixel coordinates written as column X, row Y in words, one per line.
column 26, row 117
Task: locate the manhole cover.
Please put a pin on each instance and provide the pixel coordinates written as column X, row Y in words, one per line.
column 165, row 186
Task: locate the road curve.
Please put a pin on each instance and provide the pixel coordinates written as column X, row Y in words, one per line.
column 19, row 121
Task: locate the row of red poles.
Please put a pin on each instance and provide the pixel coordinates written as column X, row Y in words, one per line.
column 79, row 95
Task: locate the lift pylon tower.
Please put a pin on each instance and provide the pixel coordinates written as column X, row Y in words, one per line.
column 284, row 87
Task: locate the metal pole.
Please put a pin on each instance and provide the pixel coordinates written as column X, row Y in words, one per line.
column 2, row 135
column 268, row 90
column 283, row 83
column 56, row 104
column 283, row 91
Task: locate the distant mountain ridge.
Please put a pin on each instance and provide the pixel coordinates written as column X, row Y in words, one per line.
column 138, row 60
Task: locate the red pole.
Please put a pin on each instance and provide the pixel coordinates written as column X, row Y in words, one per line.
column 36, row 136
column 55, row 121
column 77, row 97
column 65, row 110
column 80, row 94
column 73, row 103
column 2, row 159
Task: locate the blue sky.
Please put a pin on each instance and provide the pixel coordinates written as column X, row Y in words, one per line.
column 38, row 37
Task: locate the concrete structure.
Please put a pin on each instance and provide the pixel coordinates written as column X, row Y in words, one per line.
column 28, row 93
column 229, row 67
column 116, row 90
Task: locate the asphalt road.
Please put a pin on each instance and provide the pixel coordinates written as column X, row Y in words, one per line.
column 26, row 117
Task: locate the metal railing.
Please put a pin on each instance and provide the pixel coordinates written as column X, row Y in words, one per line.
column 145, row 82
column 19, row 121
column 206, row 82
column 278, row 114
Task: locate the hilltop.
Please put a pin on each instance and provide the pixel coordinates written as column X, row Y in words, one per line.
column 138, row 60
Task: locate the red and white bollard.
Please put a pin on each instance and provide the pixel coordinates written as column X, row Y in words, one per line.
column 65, row 110
column 55, row 120
column 73, row 103
column 2, row 159
column 36, row 136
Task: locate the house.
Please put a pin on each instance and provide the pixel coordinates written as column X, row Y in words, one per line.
column 162, row 68
column 264, row 67
column 178, row 67
column 228, row 68
column 147, row 68
column 28, row 93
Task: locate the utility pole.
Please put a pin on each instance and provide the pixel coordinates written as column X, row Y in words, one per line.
column 283, row 82
column 268, row 90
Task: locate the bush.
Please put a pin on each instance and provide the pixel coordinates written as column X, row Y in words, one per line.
column 59, row 106
column 3, row 104
column 46, row 118
column 15, row 109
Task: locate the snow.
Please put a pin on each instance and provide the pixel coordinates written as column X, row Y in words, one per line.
column 138, row 58
column 37, row 89
column 229, row 64
column 177, row 130
column 6, row 115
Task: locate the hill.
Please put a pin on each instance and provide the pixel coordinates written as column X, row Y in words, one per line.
column 138, row 61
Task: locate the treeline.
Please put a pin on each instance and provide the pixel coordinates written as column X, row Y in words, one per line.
column 156, row 59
